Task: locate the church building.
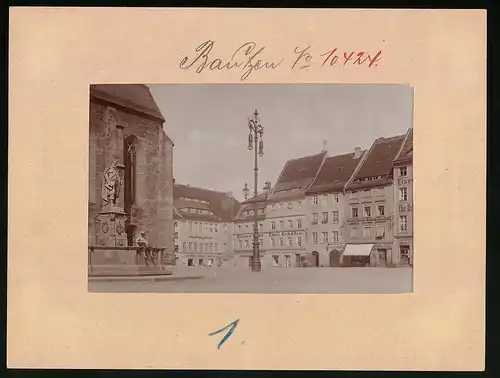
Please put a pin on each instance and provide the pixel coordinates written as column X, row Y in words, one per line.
column 130, row 169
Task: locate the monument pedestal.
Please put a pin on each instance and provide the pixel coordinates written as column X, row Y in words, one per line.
column 112, row 256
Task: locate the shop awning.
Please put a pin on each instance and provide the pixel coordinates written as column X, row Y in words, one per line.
column 358, row 249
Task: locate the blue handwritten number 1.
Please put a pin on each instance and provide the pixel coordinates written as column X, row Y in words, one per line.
column 229, row 333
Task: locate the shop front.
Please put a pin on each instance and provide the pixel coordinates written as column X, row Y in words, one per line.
column 357, row 255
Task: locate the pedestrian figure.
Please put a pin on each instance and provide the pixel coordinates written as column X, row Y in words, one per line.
column 144, row 250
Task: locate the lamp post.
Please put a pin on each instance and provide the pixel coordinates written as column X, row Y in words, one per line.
column 256, row 143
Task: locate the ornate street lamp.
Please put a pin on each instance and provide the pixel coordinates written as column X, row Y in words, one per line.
column 256, row 143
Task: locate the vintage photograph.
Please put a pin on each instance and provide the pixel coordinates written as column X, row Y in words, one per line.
column 251, row 188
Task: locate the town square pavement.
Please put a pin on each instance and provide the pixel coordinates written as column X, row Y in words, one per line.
column 269, row 280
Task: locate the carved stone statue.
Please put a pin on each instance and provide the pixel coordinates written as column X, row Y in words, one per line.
column 111, row 184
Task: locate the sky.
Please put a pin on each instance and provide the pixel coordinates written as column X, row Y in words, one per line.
column 209, row 126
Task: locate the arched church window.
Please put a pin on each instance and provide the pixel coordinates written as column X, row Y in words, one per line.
column 130, row 160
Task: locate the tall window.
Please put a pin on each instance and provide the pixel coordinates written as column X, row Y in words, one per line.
column 324, row 237
column 282, row 242
column 335, row 217
column 315, row 237
column 381, row 210
column 184, row 246
column 273, row 242
column 299, row 223
column 403, row 195
column 403, row 223
column 282, row 224
column 335, row 236
column 380, row 232
column 216, row 227
column 403, row 171
column 190, row 246
column 368, row 211
column 247, row 243
column 366, row 232
column 299, row 241
column 335, row 197
column 354, row 212
column 315, row 199
column 195, row 226
column 290, row 223
column 289, row 241
column 273, row 225
column 354, row 232
column 315, row 218
column 130, row 173
column 190, row 226
column 240, row 244
column 325, row 217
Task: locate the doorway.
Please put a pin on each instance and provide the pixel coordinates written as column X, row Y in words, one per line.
column 335, row 258
column 404, row 255
column 382, row 257
column 315, row 259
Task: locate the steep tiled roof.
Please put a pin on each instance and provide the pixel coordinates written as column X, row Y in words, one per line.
column 334, row 173
column 376, row 169
column 299, row 173
column 406, row 152
column 223, row 205
column 133, row 96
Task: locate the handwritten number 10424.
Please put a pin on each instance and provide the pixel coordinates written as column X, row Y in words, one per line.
column 231, row 326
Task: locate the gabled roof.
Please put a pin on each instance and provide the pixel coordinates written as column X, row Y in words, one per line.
column 249, row 205
column 335, row 173
column 299, row 173
column 133, row 96
column 223, row 205
column 406, row 152
column 377, row 167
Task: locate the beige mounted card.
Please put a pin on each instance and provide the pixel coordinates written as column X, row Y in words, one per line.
column 133, row 132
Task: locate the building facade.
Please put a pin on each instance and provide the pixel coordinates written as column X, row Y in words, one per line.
column 287, row 214
column 369, row 206
column 203, row 226
column 403, row 198
column 128, row 144
column 326, row 208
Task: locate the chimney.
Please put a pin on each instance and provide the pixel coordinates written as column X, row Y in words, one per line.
column 357, row 153
column 267, row 185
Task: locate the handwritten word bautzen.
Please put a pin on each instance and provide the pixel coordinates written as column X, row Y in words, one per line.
column 246, row 58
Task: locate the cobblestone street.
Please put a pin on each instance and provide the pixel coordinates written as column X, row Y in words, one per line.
column 272, row 280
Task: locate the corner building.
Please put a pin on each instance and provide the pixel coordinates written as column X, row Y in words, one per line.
column 403, row 198
column 203, row 226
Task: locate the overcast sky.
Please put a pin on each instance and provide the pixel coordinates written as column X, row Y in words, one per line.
column 209, row 125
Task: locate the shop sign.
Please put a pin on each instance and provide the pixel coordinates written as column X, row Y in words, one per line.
column 405, row 181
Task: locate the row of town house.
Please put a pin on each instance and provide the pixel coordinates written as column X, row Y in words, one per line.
column 353, row 209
